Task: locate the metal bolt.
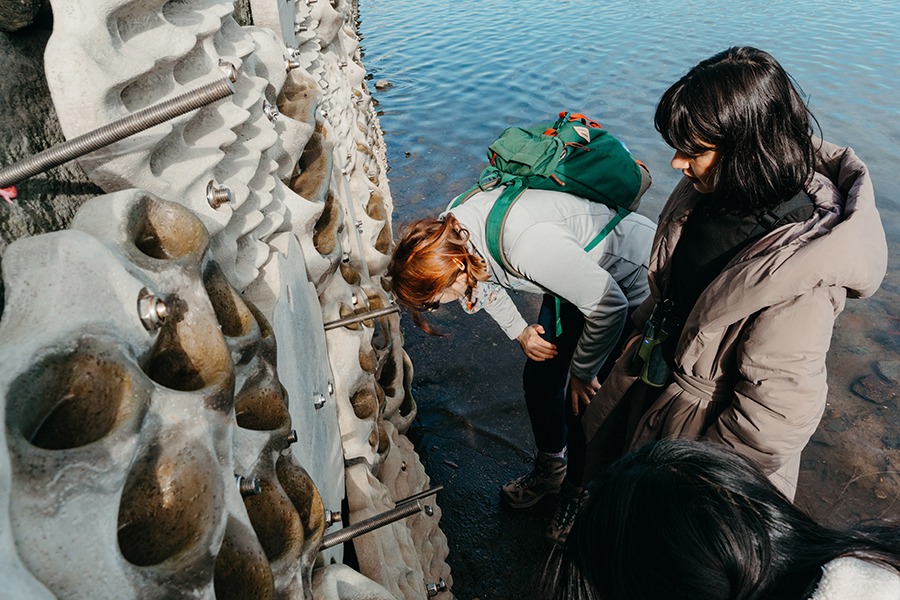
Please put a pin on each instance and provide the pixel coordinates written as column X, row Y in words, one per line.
column 249, row 486
column 290, row 64
column 354, row 299
column 342, row 64
column 324, row 114
column 298, row 28
column 359, row 225
column 429, row 510
column 151, row 310
column 433, row 589
column 292, row 50
column 228, row 68
column 403, row 465
column 332, row 517
column 349, row 156
column 330, row 389
column 292, row 437
column 270, row 110
column 318, row 401
column 217, row 195
column 344, row 172
column 345, row 257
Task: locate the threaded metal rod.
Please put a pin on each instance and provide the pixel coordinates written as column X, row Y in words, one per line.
column 420, row 495
column 374, row 314
column 370, row 524
column 115, row 131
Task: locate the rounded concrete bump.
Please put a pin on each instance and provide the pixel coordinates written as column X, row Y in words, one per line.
column 242, row 570
column 262, row 408
column 232, row 313
column 169, row 502
column 365, row 404
column 189, row 357
column 166, row 231
column 303, row 494
column 350, row 274
column 275, row 521
column 328, row 227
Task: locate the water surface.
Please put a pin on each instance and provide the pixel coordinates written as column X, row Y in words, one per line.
column 463, row 70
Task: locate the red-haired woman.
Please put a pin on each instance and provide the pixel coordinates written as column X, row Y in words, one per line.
column 545, row 233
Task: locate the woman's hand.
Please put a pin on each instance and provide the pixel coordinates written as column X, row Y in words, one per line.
column 534, row 346
column 582, row 391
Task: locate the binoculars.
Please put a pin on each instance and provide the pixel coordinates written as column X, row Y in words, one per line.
column 659, row 327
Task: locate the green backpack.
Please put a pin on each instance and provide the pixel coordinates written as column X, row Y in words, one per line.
column 573, row 155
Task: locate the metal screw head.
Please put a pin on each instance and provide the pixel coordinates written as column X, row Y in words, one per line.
column 217, row 196
column 298, row 28
column 318, row 401
column 249, row 486
column 345, row 257
column 403, row 465
column 270, row 110
column 151, row 310
column 332, row 517
column 429, row 510
column 330, row 388
column 342, row 64
column 228, row 68
column 290, row 64
column 433, row 589
column 292, row 437
column 354, row 299
column 292, row 50
column 359, row 225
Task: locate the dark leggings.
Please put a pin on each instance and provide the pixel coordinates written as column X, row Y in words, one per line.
column 548, row 397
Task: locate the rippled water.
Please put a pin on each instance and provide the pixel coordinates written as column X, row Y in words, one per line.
column 463, row 70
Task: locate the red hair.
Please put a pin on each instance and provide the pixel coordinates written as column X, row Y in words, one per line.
column 429, row 256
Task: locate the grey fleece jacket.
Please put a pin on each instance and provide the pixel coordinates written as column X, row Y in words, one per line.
column 544, row 239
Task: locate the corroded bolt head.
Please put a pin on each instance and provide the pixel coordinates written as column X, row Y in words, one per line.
column 433, row 589
column 429, row 510
column 403, row 465
column 332, row 517
column 318, row 401
column 151, row 310
column 217, row 195
column 354, row 299
column 342, row 64
column 270, row 110
column 228, row 68
column 345, row 257
column 290, row 64
column 249, row 486
column 292, row 437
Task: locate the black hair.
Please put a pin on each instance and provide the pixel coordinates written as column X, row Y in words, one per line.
column 686, row 520
column 746, row 105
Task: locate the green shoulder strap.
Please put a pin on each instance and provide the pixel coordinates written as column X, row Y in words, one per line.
column 496, row 221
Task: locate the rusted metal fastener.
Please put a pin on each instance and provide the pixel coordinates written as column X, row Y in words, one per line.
column 332, row 517
column 249, row 486
column 318, row 400
column 270, row 110
column 372, row 314
column 151, row 310
column 290, row 64
column 370, row 524
column 292, row 437
column 228, row 69
column 433, row 589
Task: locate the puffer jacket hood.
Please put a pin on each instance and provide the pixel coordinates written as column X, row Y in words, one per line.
column 836, row 247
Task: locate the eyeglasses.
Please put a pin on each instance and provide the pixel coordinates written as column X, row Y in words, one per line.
column 431, row 306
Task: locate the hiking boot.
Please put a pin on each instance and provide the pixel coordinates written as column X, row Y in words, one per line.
column 567, row 505
column 545, row 478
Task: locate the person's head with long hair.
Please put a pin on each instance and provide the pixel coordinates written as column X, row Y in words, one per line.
column 686, row 520
column 429, row 259
column 742, row 103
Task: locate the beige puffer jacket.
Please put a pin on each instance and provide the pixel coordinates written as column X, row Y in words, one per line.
column 751, row 358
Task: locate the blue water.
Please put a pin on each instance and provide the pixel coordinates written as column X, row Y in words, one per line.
column 463, row 70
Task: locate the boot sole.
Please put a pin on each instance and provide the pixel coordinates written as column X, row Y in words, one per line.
column 528, row 504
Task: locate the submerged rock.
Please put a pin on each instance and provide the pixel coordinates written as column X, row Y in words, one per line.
column 889, row 369
column 874, row 389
